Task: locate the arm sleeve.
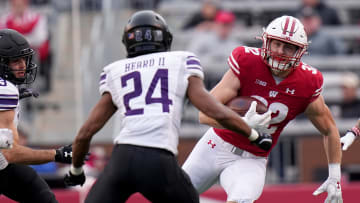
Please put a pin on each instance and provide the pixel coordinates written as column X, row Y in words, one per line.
column 193, row 66
column 318, row 86
column 233, row 61
column 103, row 84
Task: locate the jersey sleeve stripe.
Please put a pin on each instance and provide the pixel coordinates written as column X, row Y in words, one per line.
column 102, row 76
column 8, row 95
column 192, row 62
column 8, row 103
column 232, row 67
column 317, row 92
column 233, row 61
column 194, row 68
column 2, row 108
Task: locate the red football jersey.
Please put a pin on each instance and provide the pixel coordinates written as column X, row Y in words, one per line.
column 286, row 99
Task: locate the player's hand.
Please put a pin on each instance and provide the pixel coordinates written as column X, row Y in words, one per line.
column 6, row 138
column 26, row 92
column 257, row 121
column 264, row 141
column 333, row 188
column 64, row 154
column 347, row 140
column 73, row 180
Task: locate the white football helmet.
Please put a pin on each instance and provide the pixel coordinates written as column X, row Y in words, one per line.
column 287, row 29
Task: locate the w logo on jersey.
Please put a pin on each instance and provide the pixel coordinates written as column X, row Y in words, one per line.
column 273, row 93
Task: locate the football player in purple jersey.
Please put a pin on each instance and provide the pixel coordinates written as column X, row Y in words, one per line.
column 20, row 182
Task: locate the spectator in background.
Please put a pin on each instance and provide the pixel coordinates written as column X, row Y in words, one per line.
column 350, row 105
column 214, row 46
column 34, row 27
column 328, row 14
column 203, row 19
column 322, row 44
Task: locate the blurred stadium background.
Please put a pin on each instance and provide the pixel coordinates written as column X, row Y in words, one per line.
column 86, row 35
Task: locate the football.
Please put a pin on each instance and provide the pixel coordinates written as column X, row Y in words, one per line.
column 242, row 104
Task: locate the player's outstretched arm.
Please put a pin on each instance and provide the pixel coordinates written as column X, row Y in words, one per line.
column 18, row 153
column 98, row 117
column 320, row 115
column 223, row 92
column 350, row 136
column 207, row 104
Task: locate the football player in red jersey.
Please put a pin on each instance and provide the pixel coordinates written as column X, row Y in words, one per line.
column 274, row 75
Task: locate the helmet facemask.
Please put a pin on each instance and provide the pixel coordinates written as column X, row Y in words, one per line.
column 280, row 62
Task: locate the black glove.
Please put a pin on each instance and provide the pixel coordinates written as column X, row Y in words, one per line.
column 27, row 92
column 264, row 141
column 64, row 154
column 73, row 180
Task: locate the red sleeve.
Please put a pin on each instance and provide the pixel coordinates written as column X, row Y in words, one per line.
column 233, row 60
column 317, row 84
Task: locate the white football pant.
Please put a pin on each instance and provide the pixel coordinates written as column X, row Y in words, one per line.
column 240, row 173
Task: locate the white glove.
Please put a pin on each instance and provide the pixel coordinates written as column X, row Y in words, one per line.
column 6, row 138
column 347, row 140
column 257, row 121
column 332, row 185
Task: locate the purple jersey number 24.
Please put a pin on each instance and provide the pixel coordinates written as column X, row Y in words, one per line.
column 161, row 76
